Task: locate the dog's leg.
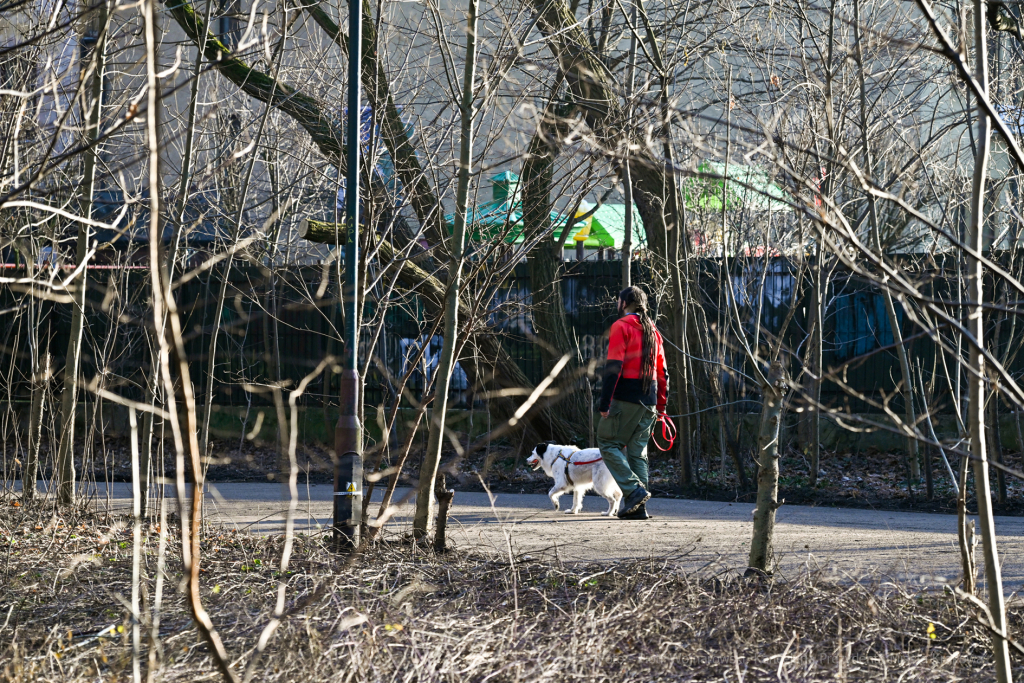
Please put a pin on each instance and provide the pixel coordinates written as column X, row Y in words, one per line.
column 613, row 503
column 554, row 494
column 577, row 502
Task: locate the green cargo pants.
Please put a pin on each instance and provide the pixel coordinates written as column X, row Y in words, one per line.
column 622, row 438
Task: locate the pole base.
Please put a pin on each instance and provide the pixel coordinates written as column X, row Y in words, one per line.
column 348, row 467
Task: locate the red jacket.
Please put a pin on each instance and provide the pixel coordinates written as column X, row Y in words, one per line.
column 622, row 370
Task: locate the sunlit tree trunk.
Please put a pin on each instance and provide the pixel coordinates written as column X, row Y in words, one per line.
column 774, row 393
column 976, row 378
column 456, row 247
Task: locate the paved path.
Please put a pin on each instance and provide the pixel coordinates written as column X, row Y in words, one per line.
column 906, row 545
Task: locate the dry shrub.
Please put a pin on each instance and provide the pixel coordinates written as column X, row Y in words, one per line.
column 400, row 612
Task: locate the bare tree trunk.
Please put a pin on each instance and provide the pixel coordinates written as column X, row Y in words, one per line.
column 35, row 426
column 976, row 378
column 907, row 387
column 171, row 341
column 456, row 247
column 40, row 380
column 725, row 286
column 545, row 259
column 995, row 447
column 72, row 365
column 929, row 475
column 146, row 452
column 627, row 181
column 719, row 399
column 445, row 496
column 677, row 251
column 774, row 391
column 681, row 320
column 138, row 494
column 816, row 360
column 819, row 288
column 146, row 449
column 724, row 271
column 720, row 391
column 149, row 418
column 995, row 434
column 965, row 534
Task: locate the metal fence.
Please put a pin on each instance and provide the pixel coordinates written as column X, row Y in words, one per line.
column 308, row 324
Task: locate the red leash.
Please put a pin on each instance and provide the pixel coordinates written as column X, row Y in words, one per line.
column 668, row 433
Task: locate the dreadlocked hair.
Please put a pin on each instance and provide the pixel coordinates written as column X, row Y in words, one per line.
column 634, row 296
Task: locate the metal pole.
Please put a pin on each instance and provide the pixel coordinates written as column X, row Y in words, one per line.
column 348, row 442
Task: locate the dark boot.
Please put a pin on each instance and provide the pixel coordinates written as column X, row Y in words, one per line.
column 635, row 499
column 640, row 513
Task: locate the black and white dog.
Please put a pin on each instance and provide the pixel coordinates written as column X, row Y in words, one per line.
column 577, row 471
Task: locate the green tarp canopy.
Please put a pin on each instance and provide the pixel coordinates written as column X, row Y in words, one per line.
column 753, row 189
column 612, row 219
column 749, row 188
column 504, row 214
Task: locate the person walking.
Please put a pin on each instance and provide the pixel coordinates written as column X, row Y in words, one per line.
column 634, row 394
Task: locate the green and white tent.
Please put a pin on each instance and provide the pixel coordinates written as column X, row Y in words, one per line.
column 503, row 214
column 749, row 188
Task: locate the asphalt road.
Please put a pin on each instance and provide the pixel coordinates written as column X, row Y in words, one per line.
column 852, row 543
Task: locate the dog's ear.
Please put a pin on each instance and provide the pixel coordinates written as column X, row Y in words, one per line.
column 540, row 448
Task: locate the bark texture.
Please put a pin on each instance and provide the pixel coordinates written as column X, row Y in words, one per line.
column 445, row 498
column 774, row 392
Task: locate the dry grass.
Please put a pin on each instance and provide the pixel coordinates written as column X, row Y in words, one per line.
column 401, row 613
